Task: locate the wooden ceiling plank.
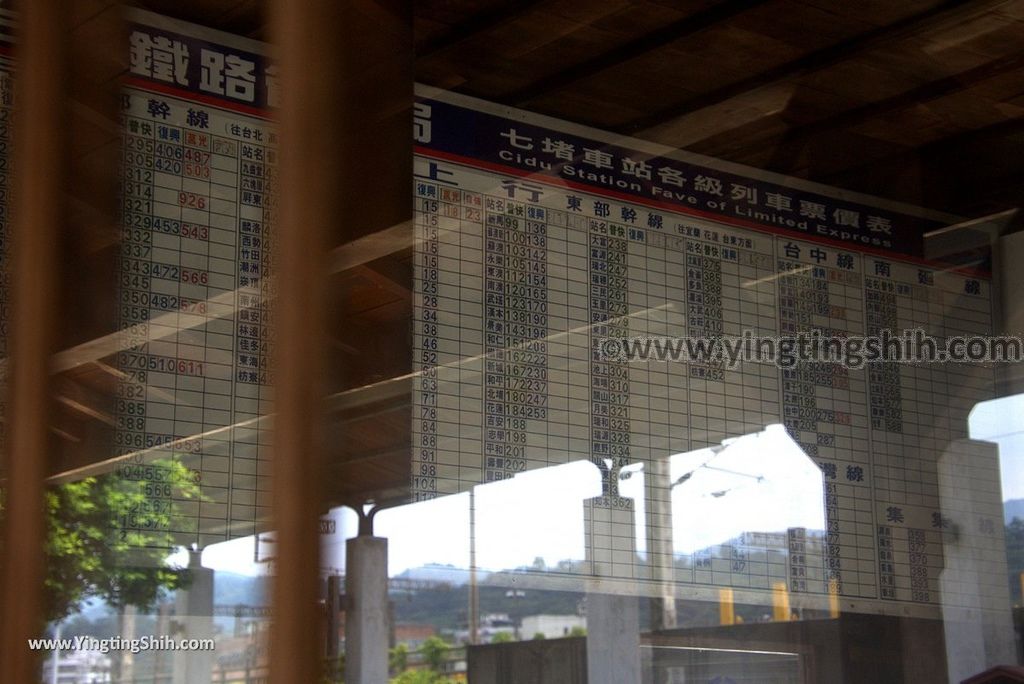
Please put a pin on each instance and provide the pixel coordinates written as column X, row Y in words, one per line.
column 86, row 410
column 926, row 92
column 637, row 47
column 953, row 148
column 481, row 22
column 390, row 453
column 810, row 62
column 388, row 276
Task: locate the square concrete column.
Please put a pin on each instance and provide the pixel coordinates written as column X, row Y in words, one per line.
column 194, row 620
column 366, row 610
column 975, row 597
column 613, row 614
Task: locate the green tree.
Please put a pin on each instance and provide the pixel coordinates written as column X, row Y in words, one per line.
column 420, row 677
column 539, row 636
column 108, row 538
column 502, row 638
column 398, row 658
column 578, row 631
column 434, row 651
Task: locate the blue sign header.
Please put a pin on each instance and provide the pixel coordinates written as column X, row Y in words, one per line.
column 512, row 145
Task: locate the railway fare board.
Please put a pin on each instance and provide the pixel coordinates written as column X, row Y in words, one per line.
column 537, row 239
column 199, row 160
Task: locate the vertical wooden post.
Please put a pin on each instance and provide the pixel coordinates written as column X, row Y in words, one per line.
column 39, row 166
column 345, row 169
column 306, row 35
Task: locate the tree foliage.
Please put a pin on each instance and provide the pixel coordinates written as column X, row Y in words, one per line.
column 421, row 677
column 109, row 538
column 398, row 658
column 434, row 650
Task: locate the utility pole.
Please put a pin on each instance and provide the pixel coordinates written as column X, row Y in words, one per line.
column 474, row 590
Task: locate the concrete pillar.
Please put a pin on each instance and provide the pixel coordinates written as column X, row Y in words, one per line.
column 123, row 662
column 975, row 597
column 660, row 549
column 366, row 610
column 334, row 616
column 163, row 622
column 194, row 620
column 613, row 619
column 613, row 639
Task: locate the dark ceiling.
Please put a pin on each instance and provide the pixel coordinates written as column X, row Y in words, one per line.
column 918, row 100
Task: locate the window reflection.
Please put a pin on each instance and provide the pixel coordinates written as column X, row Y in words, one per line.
column 760, row 483
column 763, row 556
column 748, row 513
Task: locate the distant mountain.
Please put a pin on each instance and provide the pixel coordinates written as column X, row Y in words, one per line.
column 230, row 589
column 1014, row 508
column 444, row 605
column 440, row 574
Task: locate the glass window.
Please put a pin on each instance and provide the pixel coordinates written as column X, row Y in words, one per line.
column 680, row 342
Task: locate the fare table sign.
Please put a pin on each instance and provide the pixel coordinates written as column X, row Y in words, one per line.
column 537, row 239
column 199, row 165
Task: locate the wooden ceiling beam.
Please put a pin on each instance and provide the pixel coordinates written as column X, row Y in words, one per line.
column 926, row 92
column 490, row 18
column 642, row 45
column 390, row 495
column 811, row 62
column 942, row 158
column 387, row 275
column 958, row 144
column 83, row 400
column 398, row 453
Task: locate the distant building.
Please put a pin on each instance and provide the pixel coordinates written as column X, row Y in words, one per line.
column 78, row 667
column 490, row 625
column 413, row 635
column 551, row 626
